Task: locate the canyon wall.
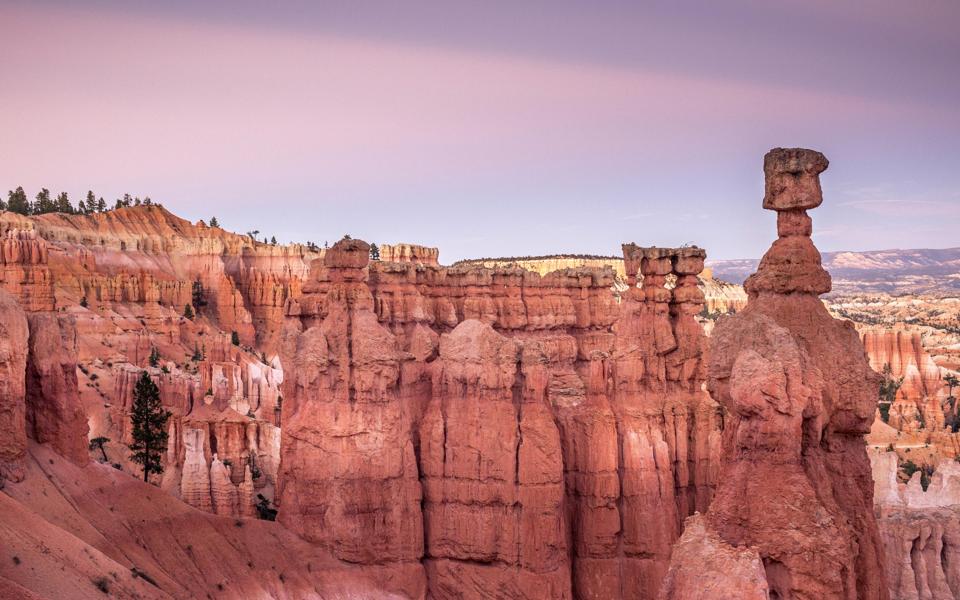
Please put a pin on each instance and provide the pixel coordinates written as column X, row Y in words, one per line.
column 410, row 253
column 922, row 395
column 720, row 297
column 920, row 528
column 105, row 292
column 41, row 402
column 498, row 432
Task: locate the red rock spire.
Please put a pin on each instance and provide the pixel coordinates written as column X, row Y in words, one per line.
column 792, row 264
column 796, row 486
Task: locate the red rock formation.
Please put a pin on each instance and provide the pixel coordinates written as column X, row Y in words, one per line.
column 800, row 396
column 918, row 403
column 23, row 269
column 920, row 528
column 705, row 567
column 559, row 438
column 13, row 408
column 410, row 253
column 54, row 412
column 348, row 473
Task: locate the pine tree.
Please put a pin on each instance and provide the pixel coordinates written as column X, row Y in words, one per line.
column 98, row 443
column 149, row 420
column 154, row 357
column 188, row 311
column 214, row 222
column 82, row 207
column 101, row 205
column 17, row 202
column 952, row 381
column 196, row 297
column 273, row 241
column 234, row 338
column 374, row 252
column 91, row 203
column 43, row 203
column 62, row 204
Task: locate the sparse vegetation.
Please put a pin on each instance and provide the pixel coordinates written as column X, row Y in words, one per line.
column 97, row 443
column 264, row 511
column 888, row 392
column 154, row 357
column 44, row 202
column 102, row 584
column 149, row 420
column 188, row 311
column 138, row 573
column 197, row 297
column 908, row 468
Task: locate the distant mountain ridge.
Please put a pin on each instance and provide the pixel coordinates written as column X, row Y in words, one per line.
column 917, row 271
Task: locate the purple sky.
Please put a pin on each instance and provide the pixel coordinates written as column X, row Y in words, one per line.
column 490, row 129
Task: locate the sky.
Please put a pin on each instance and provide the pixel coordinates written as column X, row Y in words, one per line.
column 493, row 128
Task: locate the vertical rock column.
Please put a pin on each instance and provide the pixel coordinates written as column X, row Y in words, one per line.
column 493, row 472
column 13, row 361
column 348, row 476
column 697, row 421
column 53, row 411
column 796, row 484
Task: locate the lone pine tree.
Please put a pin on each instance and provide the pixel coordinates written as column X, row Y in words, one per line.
column 149, row 420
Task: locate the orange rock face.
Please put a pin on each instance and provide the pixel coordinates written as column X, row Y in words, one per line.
column 796, row 483
column 920, row 400
column 920, row 528
column 51, row 404
column 13, row 408
column 410, row 253
column 519, row 435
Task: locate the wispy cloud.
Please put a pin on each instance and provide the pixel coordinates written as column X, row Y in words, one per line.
column 887, row 200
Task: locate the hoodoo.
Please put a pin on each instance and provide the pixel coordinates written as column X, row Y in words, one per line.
column 796, row 485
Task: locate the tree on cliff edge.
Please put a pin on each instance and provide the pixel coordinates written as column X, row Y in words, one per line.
column 149, row 420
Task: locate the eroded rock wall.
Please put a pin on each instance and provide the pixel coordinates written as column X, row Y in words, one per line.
column 523, row 436
column 14, row 336
column 920, row 528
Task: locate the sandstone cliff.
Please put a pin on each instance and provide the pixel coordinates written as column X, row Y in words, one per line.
column 523, row 436
column 922, row 394
column 920, row 528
